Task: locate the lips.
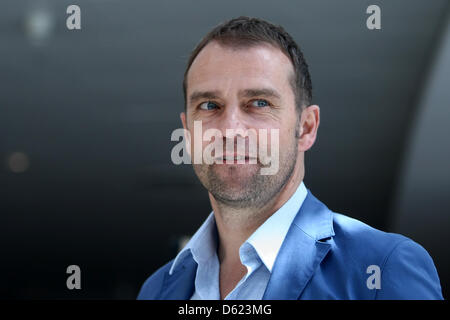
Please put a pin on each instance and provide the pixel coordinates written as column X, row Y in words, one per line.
column 235, row 158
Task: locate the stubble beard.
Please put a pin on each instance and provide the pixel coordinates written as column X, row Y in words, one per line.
column 243, row 186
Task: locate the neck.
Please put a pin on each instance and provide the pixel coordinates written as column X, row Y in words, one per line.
column 236, row 225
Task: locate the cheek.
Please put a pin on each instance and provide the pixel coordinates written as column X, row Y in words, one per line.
column 285, row 128
column 287, row 138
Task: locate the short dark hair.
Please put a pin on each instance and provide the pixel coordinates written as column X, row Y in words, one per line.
column 246, row 32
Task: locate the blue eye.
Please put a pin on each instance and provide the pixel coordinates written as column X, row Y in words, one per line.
column 260, row 103
column 208, row 105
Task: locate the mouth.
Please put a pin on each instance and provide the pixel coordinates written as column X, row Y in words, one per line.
column 236, row 159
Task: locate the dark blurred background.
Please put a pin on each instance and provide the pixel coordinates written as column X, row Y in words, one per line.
column 86, row 116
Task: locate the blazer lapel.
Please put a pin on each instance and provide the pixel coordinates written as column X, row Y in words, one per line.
column 301, row 251
column 180, row 285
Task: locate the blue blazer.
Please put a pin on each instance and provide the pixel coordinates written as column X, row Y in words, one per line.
column 326, row 255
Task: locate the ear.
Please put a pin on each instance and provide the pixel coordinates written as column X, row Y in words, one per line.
column 309, row 124
column 187, row 134
column 183, row 120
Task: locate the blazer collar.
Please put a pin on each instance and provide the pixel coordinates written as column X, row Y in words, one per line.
column 300, row 254
column 302, row 251
column 314, row 218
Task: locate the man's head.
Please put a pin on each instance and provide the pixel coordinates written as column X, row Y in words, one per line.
column 249, row 74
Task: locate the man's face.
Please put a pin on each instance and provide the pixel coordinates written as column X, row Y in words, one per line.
column 245, row 88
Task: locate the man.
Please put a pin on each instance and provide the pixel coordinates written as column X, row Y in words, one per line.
column 268, row 237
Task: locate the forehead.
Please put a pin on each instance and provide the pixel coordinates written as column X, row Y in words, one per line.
column 220, row 67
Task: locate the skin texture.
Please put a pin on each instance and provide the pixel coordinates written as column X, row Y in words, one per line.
column 241, row 198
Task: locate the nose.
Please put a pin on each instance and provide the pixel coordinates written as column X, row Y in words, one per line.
column 233, row 124
column 232, row 120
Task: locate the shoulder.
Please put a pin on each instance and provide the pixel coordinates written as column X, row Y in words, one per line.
column 406, row 269
column 353, row 234
column 152, row 286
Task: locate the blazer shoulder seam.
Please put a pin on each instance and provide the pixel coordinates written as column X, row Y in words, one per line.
column 385, row 260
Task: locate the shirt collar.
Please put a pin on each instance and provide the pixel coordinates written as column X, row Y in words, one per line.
column 202, row 245
column 266, row 240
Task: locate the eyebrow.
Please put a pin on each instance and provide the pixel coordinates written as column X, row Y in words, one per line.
column 247, row 93
column 257, row 92
column 197, row 95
